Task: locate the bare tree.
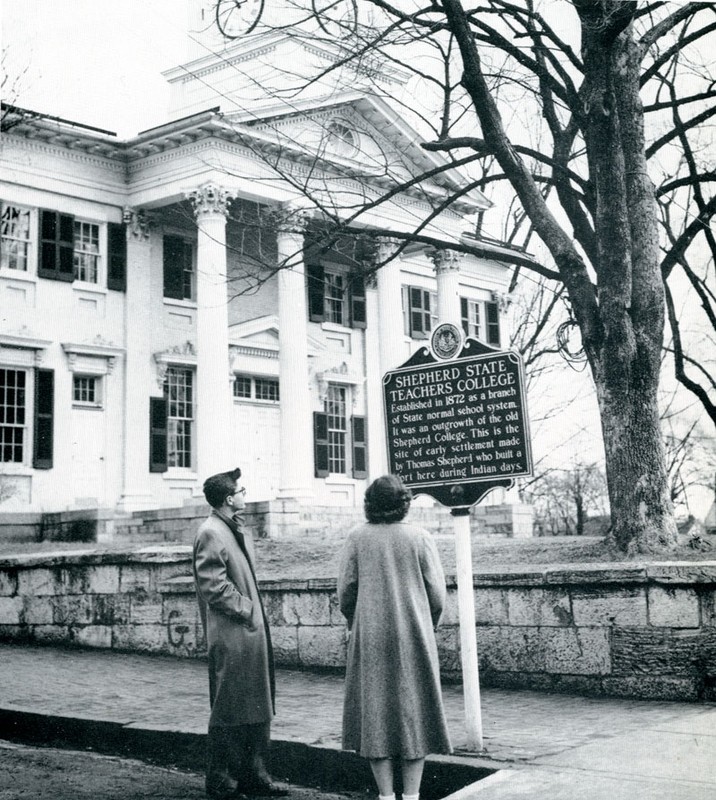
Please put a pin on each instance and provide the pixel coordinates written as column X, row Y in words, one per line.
column 581, row 178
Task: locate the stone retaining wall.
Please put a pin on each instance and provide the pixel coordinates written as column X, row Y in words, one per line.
column 620, row 630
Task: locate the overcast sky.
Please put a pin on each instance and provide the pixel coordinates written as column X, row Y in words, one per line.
column 93, row 61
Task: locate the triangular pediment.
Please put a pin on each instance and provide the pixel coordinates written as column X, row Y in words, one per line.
column 358, row 134
column 260, row 335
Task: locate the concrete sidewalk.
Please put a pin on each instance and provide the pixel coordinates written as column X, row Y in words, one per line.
column 556, row 747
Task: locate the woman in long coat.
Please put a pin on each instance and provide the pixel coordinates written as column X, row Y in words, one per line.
column 391, row 589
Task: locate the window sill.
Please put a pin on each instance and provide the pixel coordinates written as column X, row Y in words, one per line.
column 171, row 301
column 17, row 275
column 252, row 401
column 334, row 327
column 180, row 474
column 88, row 406
column 88, row 288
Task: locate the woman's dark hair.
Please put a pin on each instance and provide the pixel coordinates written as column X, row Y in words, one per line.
column 386, row 500
column 218, row 487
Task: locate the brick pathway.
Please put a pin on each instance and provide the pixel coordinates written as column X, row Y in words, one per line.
column 173, row 693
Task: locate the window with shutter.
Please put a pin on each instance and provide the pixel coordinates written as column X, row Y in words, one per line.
column 315, row 284
column 419, row 308
column 360, row 462
column 357, row 301
column 492, row 312
column 56, row 246
column 157, row 434
column 178, row 258
column 44, row 418
column 320, row 443
column 117, row 257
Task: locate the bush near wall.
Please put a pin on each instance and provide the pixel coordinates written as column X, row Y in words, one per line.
column 623, row 629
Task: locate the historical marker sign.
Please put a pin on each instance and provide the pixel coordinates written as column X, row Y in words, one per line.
column 457, row 427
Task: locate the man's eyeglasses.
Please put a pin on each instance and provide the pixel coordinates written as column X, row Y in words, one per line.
column 241, row 491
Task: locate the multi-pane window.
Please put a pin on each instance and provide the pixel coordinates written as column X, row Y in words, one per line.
column 334, row 300
column 178, row 268
column 471, row 319
column 86, row 251
column 12, row 415
column 481, row 320
column 179, row 394
column 419, row 311
column 337, row 426
column 14, row 237
column 247, row 387
column 86, row 390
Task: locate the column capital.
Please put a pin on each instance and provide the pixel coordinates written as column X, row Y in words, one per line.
column 138, row 222
column 288, row 218
column 210, row 200
column 445, row 260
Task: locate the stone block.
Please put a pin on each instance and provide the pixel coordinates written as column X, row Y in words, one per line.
column 145, row 609
column 75, row 578
column 678, row 653
column 178, row 608
column 72, row 610
column 110, row 609
column 306, row 608
column 683, row 572
column 673, row 608
column 336, row 615
column 10, row 610
column 38, row 582
column 451, row 614
column 576, row 651
column 50, row 634
column 8, row 582
column 447, row 638
column 708, row 609
column 321, row 646
column 580, row 574
column 605, row 606
column 140, row 638
column 135, row 578
column 15, row 634
column 39, row 610
column 652, row 687
column 490, row 607
column 284, row 639
column 103, row 579
column 92, row 636
column 505, row 649
column 547, row 607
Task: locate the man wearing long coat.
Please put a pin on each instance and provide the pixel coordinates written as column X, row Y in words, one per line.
column 241, row 672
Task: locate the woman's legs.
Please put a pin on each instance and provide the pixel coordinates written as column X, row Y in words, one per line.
column 383, row 773
column 412, row 775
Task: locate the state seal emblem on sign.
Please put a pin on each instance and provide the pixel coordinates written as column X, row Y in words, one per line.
column 446, row 340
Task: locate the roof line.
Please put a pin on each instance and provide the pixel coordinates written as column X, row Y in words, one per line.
column 41, row 115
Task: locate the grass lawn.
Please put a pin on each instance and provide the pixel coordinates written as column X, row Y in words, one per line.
column 317, row 556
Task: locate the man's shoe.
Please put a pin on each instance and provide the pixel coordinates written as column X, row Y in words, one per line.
column 223, row 789
column 263, row 788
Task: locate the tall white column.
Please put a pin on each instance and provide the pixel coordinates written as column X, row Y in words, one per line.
column 137, row 364
column 214, row 404
column 296, row 418
column 447, row 268
column 392, row 335
column 377, row 454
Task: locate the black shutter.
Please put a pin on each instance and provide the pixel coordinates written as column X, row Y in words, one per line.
column 493, row 324
column 357, row 301
column 117, row 257
column 419, row 312
column 464, row 316
column 360, row 466
column 315, row 280
column 56, row 246
column 174, row 267
column 157, row 434
column 320, row 443
column 44, row 418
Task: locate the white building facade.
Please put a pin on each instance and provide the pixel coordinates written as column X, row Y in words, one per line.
column 186, row 301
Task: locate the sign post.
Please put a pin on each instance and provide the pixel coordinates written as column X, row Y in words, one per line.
column 457, row 428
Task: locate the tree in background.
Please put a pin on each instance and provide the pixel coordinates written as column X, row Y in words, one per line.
column 547, row 98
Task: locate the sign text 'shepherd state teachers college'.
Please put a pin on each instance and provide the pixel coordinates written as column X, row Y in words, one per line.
column 457, row 421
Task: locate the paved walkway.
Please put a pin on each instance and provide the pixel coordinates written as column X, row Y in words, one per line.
column 547, row 746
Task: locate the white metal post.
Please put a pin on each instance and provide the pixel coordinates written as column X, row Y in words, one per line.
column 468, row 640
